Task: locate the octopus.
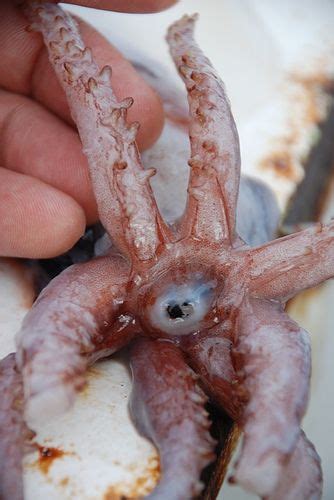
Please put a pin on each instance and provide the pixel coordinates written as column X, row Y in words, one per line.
column 199, row 309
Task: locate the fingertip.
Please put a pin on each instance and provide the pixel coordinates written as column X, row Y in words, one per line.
column 131, row 6
column 38, row 144
column 36, row 220
column 148, row 110
column 67, row 229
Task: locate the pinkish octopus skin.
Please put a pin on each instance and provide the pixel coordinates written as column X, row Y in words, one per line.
column 12, row 443
column 201, row 310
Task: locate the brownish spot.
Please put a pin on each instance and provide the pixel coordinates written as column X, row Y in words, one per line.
column 153, row 472
column 281, row 162
column 93, row 372
column 64, row 482
column 120, row 165
column 200, row 116
column 140, row 487
column 197, row 77
column 209, row 146
column 195, row 164
column 47, row 455
column 311, row 86
column 113, row 494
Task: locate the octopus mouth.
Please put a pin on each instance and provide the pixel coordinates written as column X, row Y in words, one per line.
column 180, row 311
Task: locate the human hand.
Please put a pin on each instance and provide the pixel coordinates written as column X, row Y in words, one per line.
column 46, row 198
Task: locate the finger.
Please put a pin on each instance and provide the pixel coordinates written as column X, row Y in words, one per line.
column 25, row 69
column 35, row 142
column 36, row 220
column 138, row 6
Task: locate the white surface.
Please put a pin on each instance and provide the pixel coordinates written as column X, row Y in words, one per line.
column 103, row 454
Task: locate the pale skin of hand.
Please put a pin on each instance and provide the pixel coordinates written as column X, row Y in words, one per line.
column 46, row 198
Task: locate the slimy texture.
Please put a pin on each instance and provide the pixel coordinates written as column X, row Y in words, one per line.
column 180, row 310
column 201, row 310
column 167, row 404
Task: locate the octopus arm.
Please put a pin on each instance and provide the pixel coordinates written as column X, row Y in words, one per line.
column 122, row 190
column 215, row 156
column 209, row 355
column 66, row 325
column 168, row 408
column 12, row 430
column 258, row 214
column 272, row 359
column 302, row 476
column 285, row 266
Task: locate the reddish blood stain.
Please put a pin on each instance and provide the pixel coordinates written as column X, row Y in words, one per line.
column 46, row 457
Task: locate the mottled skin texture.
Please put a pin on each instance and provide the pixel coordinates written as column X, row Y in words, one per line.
column 197, row 300
column 12, row 443
column 162, row 380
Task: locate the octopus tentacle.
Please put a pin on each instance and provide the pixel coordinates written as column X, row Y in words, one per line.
column 272, row 358
column 12, row 430
column 122, row 190
column 67, row 325
column 215, row 156
column 283, row 267
column 209, row 355
column 302, row 476
column 258, row 214
column 168, row 408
